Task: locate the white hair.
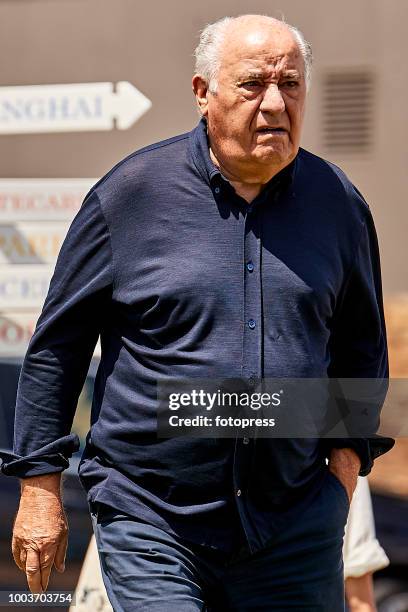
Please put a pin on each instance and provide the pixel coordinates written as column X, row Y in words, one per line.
column 207, row 53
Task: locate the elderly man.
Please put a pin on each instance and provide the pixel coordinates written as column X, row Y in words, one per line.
column 224, row 252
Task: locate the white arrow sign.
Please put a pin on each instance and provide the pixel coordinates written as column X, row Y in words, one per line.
column 31, row 243
column 16, row 329
column 42, row 199
column 24, row 287
column 70, row 108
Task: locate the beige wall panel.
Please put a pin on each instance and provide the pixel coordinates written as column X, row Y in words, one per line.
column 150, row 44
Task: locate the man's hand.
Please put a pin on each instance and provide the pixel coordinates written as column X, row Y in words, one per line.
column 345, row 464
column 40, row 533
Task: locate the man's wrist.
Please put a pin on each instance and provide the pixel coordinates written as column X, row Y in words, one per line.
column 345, row 457
column 361, row 446
column 345, row 464
column 45, row 484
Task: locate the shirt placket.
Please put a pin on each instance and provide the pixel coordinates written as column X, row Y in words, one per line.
column 251, row 358
column 252, row 330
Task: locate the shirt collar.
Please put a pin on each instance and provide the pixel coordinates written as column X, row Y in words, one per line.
column 209, row 171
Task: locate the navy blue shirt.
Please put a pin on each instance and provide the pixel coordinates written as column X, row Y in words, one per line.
column 181, row 277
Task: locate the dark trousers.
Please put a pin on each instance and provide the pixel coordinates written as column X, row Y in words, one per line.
column 145, row 568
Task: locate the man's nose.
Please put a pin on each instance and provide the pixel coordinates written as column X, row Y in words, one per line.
column 272, row 101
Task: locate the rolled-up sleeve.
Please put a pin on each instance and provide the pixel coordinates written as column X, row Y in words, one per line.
column 362, row 552
column 358, row 345
column 61, row 348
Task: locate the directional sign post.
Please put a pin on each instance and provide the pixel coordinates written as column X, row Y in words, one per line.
column 34, row 217
column 42, row 199
column 70, row 108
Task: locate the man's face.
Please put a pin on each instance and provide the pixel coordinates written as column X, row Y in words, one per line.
column 255, row 116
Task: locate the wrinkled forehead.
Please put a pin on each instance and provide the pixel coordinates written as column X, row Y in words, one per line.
column 262, row 49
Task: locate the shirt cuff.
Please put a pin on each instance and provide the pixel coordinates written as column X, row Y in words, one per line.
column 53, row 457
column 367, row 557
column 367, row 449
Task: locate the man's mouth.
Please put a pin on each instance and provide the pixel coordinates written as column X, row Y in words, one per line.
column 270, row 130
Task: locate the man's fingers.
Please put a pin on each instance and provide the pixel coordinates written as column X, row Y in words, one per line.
column 17, row 555
column 39, row 532
column 23, row 558
column 33, row 571
column 59, row 560
column 46, row 560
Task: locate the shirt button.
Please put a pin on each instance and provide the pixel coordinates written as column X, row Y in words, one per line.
column 245, row 440
column 217, row 190
column 250, row 266
column 239, row 492
column 251, row 324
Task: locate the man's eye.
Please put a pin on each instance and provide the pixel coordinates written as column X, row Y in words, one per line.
column 251, row 84
column 291, row 84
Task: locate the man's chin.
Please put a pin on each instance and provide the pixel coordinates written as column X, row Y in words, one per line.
column 273, row 157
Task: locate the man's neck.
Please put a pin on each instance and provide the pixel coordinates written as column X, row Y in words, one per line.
column 247, row 188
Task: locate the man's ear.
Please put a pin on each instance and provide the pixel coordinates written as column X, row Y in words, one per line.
column 200, row 89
